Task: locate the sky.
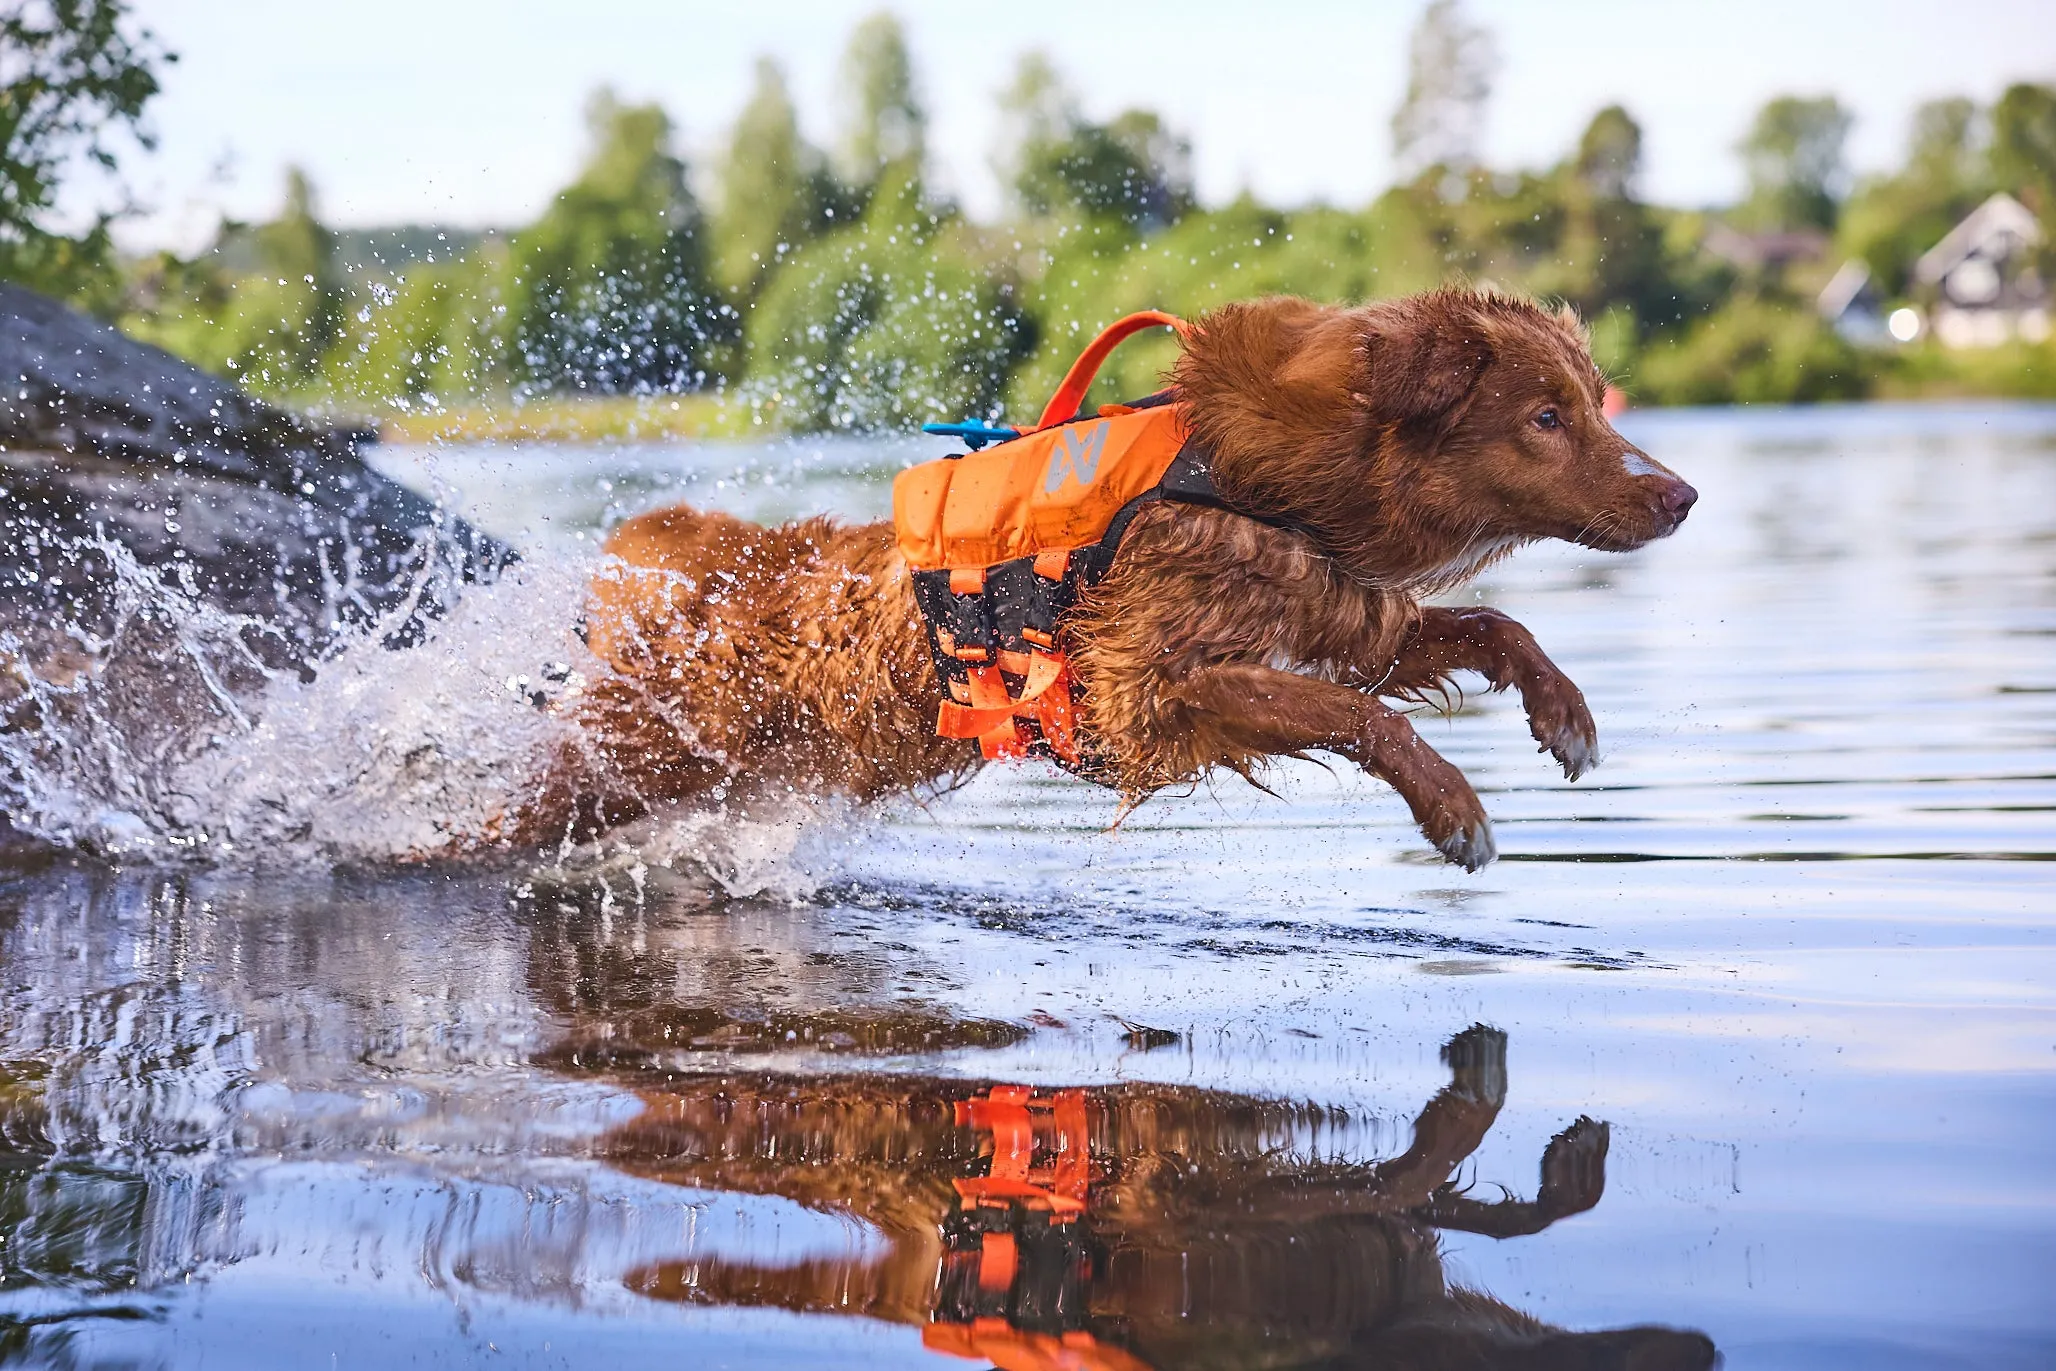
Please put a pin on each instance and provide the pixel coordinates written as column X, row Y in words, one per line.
column 469, row 112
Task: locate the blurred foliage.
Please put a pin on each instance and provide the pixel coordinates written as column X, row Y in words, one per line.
column 831, row 292
column 1450, row 66
column 73, row 83
column 886, row 130
column 1056, row 162
column 1891, row 220
column 1752, row 350
column 1793, row 154
column 2021, row 369
column 898, row 319
column 776, row 190
column 2023, row 157
column 611, row 291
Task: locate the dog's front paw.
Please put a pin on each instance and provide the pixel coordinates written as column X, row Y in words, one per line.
column 1444, row 805
column 1468, row 844
column 1476, row 1059
column 1574, row 1169
column 1560, row 722
column 1575, row 747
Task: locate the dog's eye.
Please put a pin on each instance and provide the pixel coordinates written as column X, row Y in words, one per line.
column 1548, row 418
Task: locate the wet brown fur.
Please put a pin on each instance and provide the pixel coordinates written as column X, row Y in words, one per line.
column 1401, row 442
column 746, row 660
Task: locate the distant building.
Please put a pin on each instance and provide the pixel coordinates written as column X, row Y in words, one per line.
column 1850, row 302
column 1765, row 251
column 1980, row 281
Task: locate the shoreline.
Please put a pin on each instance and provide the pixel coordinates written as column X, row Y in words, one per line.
column 703, row 418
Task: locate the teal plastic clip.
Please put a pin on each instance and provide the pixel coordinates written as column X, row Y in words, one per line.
column 974, row 433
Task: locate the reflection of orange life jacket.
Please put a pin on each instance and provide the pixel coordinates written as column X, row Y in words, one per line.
column 1011, row 1349
column 1001, row 1292
column 1002, row 542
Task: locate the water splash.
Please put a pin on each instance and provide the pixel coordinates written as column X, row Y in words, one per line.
column 173, row 735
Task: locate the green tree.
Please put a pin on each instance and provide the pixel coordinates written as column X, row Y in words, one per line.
column 887, row 130
column 2024, row 148
column 1608, row 256
column 610, row 290
column 896, row 320
column 72, row 78
column 1609, row 160
column 296, row 243
column 1054, row 159
column 283, row 318
column 776, row 189
column 1945, row 150
column 432, row 332
column 1450, row 68
column 269, row 321
column 1793, row 155
column 1753, row 351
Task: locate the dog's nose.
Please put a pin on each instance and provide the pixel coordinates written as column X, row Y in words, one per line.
column 1677, row 501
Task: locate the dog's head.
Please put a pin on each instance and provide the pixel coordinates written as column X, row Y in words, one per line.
column 1419, row 438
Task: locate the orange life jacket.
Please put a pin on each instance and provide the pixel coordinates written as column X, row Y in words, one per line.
column 1002, row 542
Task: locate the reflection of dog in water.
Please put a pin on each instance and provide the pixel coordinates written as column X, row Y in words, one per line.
column 1372, row 456
column 1133, row 1226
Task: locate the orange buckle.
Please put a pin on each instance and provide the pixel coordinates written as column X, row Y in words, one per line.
column 989, row 689
column 998, row 1260
column 989, row 716
column 1050, row 563
column 1014, row 1117
column 967, row 580
column 1037, row 637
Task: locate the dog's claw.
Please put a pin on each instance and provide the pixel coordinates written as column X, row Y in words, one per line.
column 1574, row 743
column 1470, row 847
column 1575, row 750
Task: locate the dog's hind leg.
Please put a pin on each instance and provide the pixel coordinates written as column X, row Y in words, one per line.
column 1243, row 709
column 1446, row 641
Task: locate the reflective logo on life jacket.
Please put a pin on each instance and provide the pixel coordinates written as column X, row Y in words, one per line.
column 1075, row 454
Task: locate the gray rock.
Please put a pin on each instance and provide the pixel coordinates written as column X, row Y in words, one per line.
column 266, row 513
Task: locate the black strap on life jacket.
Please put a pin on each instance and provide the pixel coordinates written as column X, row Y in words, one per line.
column 1019, row 604
column 1187, row 481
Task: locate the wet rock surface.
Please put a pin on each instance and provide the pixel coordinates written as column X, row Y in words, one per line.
column 109, row 443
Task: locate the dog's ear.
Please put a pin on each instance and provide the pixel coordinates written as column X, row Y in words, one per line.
column 1421, row 359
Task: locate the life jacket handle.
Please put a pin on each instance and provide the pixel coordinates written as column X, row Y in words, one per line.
column 1071, row 394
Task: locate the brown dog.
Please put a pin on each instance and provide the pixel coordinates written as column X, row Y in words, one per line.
column 1407, row 444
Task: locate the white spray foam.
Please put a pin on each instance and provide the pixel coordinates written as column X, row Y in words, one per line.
column 773, row 850
column 398, row 752
column 385, row 754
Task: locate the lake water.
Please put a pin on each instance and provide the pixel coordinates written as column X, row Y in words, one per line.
column 1774, row 991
